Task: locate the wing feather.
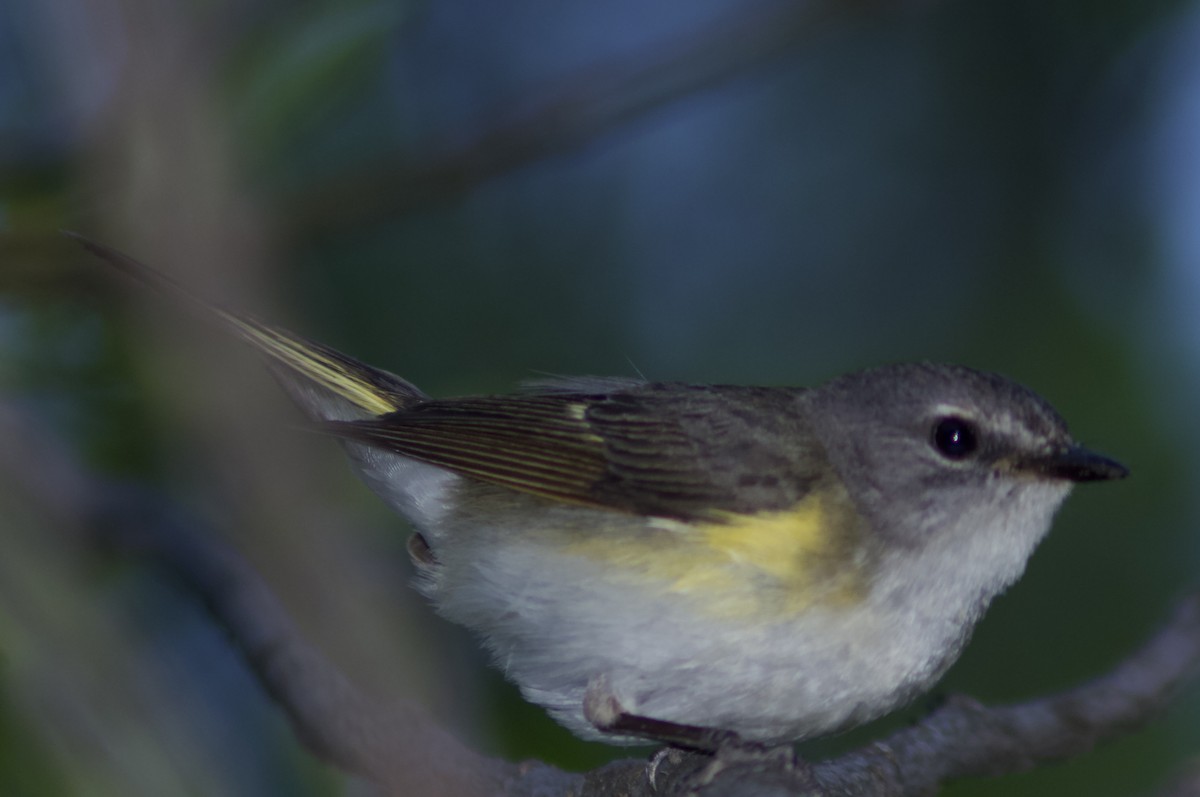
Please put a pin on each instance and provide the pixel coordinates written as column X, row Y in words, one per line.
column 667, row 450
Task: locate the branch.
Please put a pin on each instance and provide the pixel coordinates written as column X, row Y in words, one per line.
column 963, row 738
column 572, row 113
column 1186, row 783
column 401, row 750
column 398, row 748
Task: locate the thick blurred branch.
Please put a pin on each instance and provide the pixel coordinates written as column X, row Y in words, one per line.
column 398, row 747
column 401, row 750
column 1185, row 784
column 572, row 113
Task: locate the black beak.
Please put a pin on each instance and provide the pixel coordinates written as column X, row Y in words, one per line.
column 1076, row 464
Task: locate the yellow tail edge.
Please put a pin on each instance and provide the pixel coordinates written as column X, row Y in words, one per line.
column 374, row 391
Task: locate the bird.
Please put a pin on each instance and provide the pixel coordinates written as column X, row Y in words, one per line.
column 775, row 563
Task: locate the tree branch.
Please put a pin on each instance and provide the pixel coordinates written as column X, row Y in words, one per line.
column 571, row 113
column 400, row 749
column 964, row 738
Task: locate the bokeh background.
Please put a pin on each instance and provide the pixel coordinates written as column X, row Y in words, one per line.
column 473, row 194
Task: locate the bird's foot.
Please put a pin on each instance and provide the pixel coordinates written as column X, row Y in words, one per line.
column 719, row 750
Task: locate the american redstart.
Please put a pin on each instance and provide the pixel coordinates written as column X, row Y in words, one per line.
column 777, row 562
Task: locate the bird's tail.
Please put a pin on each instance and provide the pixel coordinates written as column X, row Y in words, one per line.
column 328, row 384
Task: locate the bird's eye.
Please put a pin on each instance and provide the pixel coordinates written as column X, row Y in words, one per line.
column 954, row 438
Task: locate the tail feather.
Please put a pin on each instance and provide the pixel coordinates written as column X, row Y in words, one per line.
column 299, row 362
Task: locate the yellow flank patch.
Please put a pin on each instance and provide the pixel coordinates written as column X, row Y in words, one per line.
column 766, row 564
column 326, row 372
